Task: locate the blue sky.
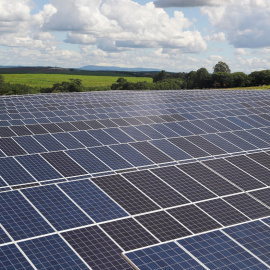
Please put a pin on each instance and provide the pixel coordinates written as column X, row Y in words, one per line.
column 175, row 35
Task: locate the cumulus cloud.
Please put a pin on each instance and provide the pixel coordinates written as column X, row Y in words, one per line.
column 189, row 3
column 244, row 22
column 114, row 24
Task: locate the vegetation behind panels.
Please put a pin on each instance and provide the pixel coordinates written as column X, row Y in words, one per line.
column 200, row 79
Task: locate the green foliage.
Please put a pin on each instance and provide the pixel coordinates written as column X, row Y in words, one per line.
column 260, row 77
column 160, row 76
column 203, row 78
column 222, row 80
column 74, row 85
column 221, row 67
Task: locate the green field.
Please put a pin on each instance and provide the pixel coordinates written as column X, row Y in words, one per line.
column 47, row 80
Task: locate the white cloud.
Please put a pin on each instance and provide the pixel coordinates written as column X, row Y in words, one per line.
column 189, row 3
column 244, row 22
column 219, row 37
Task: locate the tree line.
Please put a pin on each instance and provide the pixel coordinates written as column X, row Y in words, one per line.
column 200, row 79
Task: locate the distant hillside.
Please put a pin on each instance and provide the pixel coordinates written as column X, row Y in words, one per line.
column 112, row 68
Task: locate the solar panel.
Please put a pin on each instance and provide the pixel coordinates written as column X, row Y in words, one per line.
column 226, row 253
column 96, row 249
column 50, row 252
column 88, row 177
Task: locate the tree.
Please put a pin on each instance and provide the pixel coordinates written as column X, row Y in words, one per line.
column 240, row 79
column 162, row 75
column 221, row 67
column 203, row 78
column 222, row 79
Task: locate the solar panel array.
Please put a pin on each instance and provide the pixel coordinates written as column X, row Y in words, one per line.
column 144, row 179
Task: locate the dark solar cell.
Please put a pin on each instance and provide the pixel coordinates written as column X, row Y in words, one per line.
column 108, row 123
column 234, row 174
column 94, row 124
column 125, row 194
column 13, row 173
column 81, row 125
column 184, row 184
column 216, row 125
column 167, row 118
column 37, row 129
column 66, row 126
column 249, row 206
column 88, row 161
column 263, row 195
column 92, row 200
column 149, row 131
column 155, row 118
column 64, row 164
column 206, row 145
column 51, row 252
column 194, row 218
column 163, row 226
column 262, row 158
column 145, row 120
column 178, row 117
column 151, row 152
column 209, row 179
column 52, row 128
column 119, row 135
column 218, row 251
column 19, row 218
column 49, row 142
column 189, row 147
column 251, row 167
column 85, row 138
column 260, row 134
column 250, row 121
column 135, row 133
column 165, row 256
column 30, row 144
column 56, row 207
column 21, row 130
column 244, row 145
column 222, row 212
column 156, row 189
column 120, row 122
column 252, row 139
column 227, row 123
column 222, row 143
column 3, row 238
column 102, row 136
column 97, row 249
column 192, row 128
column 68, row 141
column 129, row 234
column 10, row 147
column 167, row 132
column 178, row 129
column 12, row 258
column 240, row 123
column 6, row 132
column 254, row 236
column 131, row 155
column 38, row 167
column 205, row 127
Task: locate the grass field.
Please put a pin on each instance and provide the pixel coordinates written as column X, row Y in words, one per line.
column 47, row 80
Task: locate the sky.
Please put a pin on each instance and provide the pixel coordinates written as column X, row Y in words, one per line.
column 174, row 35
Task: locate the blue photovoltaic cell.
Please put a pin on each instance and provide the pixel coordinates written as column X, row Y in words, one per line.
column 3, row 237
column 216, row 125
column 68, row 141
column 119, row 135
column 131, row 155
column 218, row 251
column 49, row 142
column 135, row 133
column 2, row 182
column 252, row 139
column 110, row 158
column 165, row 256
column 88, row 161
column 254, row 236
column 250, row 121
column 171, row 150
column 260, row 134
column 227, row 123
column 92, row 200
column 19, row 218
column 164, row 130
column 205, row 127
column 30, row 144
column 192, row 128
column 178, row 129
column 240, row 123
column 85, row 138
column 56, row 207
column 51, row 252
column 38, row 167
column 102, row 136
column 13, row 173
column 222, row 143
column 12, row 259
column 149, row 131
column 237, row 141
